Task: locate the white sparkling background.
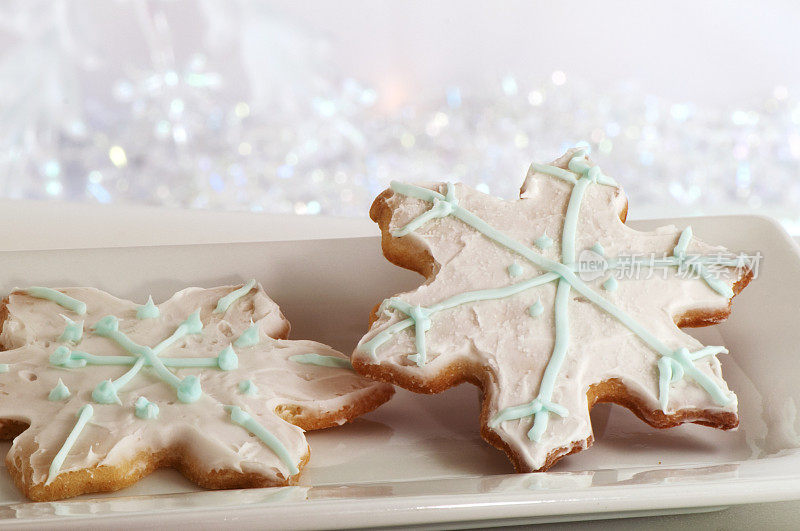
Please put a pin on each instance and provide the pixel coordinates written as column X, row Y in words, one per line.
column 312, row 107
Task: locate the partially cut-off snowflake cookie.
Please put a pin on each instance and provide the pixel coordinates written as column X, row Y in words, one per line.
column 550, row 304
column 98, row 391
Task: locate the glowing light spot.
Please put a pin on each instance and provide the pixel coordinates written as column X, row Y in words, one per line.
column 559, row 77
column 176, row 107
column 162, row 129
column 439, row 121
column 54, row 188
column 454, row 98
column 535, row 98
column 740, row 117
column 216, row 182
column 509, row 85
column 407, row 140
column 179, row 134
column 117, row 156
column 680, row 112
column 171, row 78
column 285, row 171
column 241, row 109
column 99, row 192
column 51, row 168
column 368, row 97
column 245, row 148
column 326, row 108
column 313, row 208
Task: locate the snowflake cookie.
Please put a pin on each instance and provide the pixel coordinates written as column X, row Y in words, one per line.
column 550, row 304
column 97, row 392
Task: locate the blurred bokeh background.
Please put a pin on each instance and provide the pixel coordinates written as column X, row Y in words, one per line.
column 313, row 107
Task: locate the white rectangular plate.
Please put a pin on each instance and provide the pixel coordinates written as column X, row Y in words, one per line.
column 419, row 458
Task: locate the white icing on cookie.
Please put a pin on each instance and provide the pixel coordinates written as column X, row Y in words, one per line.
column 502, row 340
column 203, row 431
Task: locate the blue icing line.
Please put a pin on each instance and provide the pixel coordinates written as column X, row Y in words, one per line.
column 148, row 311
column 224, row 303
column 563, row 272
column 514, row 270
column 555, row 171
column 248, row 338
column 543, row 242
column 610, row 284
column 422, row 323
column 73, row 331
column 536, row 309
column 59, row 392
column 144, row 409
column 62, row 299
column 63, row 357
column 246, row 421
column 247, row 387
column 108, row 327
column 322, row 361
column 188, row 389
column 106, row 391
column 443, row 206
column 457, row 300
column 680, row 363
column 4, row 367
column 84, row 414
column 227, row 359
column 680, row 254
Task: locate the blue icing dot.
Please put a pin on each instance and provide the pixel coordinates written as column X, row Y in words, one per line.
column 247, row 387
column 144, row 409
column 72, row 331
column 59, row 392
column 60, row 356
column 105, row 393
column 536, row 309
column 543, row 242
column 189, row 390
column 227, row 359
column 248, row 338
column 148, row 311
column 515, row 270
column 597, row 248
column 193, row 324
column 106, row 325
column 610, row 284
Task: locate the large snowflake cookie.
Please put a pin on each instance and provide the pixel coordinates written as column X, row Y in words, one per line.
column 97, row 391
column 551, row 304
